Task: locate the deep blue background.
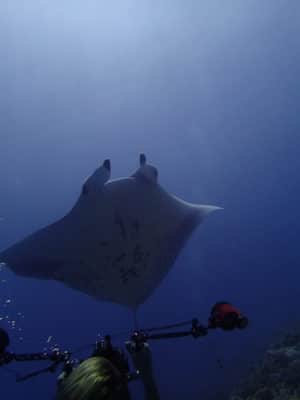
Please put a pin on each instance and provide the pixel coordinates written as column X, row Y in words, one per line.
column 210, row 92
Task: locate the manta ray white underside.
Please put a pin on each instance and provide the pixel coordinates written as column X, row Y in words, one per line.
column 117, row 243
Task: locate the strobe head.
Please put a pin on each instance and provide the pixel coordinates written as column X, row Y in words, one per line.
column 227, row 317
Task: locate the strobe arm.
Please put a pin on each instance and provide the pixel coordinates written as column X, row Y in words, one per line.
column 197, row 330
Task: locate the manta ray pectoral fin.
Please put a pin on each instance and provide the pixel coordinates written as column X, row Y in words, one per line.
column 204, row 210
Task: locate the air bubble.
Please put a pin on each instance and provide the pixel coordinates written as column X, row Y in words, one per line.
column 8, row 314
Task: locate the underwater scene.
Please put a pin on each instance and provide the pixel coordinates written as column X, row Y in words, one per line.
column 149, row 201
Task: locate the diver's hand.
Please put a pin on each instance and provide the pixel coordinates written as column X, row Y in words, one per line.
column 142, row 361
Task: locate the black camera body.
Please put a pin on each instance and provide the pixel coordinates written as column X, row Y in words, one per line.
column 4, row 340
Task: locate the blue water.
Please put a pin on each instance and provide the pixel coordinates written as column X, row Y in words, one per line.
column 210, row 92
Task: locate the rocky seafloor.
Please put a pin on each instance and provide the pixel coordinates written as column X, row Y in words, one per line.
column 277, row 376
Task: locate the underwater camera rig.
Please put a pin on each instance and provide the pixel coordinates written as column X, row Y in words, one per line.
column 223, row 316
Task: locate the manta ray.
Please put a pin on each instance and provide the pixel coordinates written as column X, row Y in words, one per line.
column 117, row 243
